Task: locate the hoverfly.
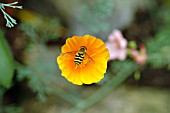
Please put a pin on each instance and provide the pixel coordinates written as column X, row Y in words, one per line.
column 80, row 56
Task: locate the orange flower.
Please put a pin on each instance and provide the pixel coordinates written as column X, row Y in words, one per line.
column 93, row 65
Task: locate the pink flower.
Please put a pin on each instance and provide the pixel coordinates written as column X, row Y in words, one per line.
column 139, row 56
column 116, row 45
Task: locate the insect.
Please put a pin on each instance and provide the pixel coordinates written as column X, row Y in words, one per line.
column 80, row 56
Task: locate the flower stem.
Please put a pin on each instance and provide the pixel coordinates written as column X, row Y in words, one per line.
column 65, row 96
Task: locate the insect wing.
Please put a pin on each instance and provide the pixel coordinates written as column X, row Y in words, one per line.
column 89, row 59
column 68, row 54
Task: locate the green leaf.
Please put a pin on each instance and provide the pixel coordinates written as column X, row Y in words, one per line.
column 6, row 63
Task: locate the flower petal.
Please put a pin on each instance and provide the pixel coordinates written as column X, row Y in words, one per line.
column 74, row 77
column 87, row 77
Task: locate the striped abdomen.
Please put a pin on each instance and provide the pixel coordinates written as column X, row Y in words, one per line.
column 79, row 58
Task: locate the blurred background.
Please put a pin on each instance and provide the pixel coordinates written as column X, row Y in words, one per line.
column 31, row 82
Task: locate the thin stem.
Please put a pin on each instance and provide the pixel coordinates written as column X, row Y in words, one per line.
column 11, row 5
column 66, row 96
column 10, row 21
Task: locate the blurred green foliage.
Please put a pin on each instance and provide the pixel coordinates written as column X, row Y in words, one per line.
column 158, row 48
column 39, row 65
column 13, row 109
column 42, row 33
column 6, row 63
column 1, row 98
column 94, row 15
column 39, row 69
column 40, row 28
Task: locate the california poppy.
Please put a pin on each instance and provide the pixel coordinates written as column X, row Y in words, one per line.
column 83, row 59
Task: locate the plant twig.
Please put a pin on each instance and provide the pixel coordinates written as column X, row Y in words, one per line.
column 10, row 21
